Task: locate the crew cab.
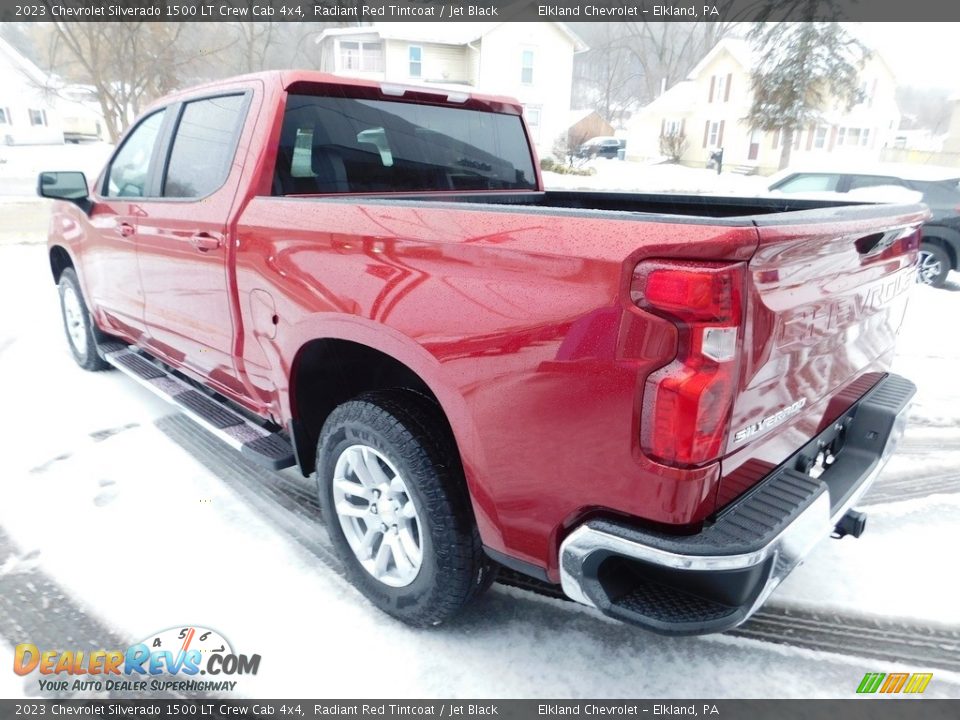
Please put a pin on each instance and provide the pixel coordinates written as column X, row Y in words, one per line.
column 656, row 403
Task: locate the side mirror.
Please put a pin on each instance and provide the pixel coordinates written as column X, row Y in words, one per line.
column 69, row 185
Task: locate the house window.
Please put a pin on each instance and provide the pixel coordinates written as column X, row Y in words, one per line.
column 38, row 117
column 526, row 67
column 415, row 56
column 721, row 88
column 532, row 114
column 853, row 137
column 362, row 56
column 820, row 138
column 713, row 138
column 671, row 127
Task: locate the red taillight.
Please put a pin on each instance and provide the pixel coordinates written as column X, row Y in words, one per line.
column 686, row 404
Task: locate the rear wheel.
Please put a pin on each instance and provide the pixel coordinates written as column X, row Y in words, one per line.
column 83, row 336
column 396, row 507
column 933, row 265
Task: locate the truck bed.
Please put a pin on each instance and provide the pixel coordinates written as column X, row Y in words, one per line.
column 691, row 207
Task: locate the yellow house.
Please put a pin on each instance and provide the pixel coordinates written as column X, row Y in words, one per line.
column 710, row 109
column 532, row 62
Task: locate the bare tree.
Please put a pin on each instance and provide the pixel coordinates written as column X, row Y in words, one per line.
column 666, row 52
column 607, row 77
column 127, row 64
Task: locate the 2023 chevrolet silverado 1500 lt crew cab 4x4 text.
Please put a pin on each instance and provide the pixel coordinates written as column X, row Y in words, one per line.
column 657, row 402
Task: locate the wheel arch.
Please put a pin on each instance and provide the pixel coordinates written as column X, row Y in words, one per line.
column 328, row 371
column 60, row 259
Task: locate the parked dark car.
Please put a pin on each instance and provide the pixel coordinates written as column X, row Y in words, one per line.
column 939, row 189
column 607, row 147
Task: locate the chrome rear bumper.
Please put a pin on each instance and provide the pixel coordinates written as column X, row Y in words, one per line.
column 715, row 580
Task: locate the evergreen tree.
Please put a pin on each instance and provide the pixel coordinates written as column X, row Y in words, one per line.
column 800, row 68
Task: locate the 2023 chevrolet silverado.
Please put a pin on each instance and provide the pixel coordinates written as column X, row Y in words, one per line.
column 658, row 403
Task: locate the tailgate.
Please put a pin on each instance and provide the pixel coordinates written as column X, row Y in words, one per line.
column 826, row 293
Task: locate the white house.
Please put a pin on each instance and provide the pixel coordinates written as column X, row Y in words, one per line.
column 710, row 109
column 28, row 111
column 532, row 62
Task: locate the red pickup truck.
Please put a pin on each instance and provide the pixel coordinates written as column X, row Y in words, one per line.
column 658, row 403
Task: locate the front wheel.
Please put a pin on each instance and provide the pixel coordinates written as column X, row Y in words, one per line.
column 933, row 265
column 396, row 507
column 82, row 335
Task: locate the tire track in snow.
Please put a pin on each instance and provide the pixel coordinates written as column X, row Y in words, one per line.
column 925, row 647
column 289, row 501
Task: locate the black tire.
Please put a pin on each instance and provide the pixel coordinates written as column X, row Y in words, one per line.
column 933, row 265
column 85, row 353
column 407, row 430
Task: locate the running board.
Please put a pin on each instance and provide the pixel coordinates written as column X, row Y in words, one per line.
column 267, row 449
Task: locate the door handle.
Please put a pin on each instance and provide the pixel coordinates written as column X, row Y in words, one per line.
column 204, row 242
column 126, row 229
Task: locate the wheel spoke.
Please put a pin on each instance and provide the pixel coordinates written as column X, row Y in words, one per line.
column 383, row 558
column 372, row 465
column 365, row 547
column 408, row 511
column 345, row 509
column 356, row 464
column 352, row 489
column 400, row 557
column 410, row 548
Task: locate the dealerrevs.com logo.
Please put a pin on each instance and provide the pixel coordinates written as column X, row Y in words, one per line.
column 170, row 660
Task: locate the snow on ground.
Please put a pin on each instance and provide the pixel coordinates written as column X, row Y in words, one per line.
column 665, row 178
column 11, row 685
column 897, row 568
column 20, row 164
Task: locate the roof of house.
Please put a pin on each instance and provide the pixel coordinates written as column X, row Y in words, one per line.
column 452, row 33
column 575, row 116
column 25, row 66
column 742, row 51
column 681, row 98
column 738, row 48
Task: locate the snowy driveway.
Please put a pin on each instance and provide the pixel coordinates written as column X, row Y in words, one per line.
column 118, row 518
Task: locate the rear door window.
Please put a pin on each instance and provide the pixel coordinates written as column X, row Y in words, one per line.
column 348, row 145
column 811, row 182
column 204, row 146
column 868, row 181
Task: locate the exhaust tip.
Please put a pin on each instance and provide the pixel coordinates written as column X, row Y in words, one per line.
column 853, row 523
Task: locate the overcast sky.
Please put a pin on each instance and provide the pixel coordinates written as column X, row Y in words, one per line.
column 921, row 54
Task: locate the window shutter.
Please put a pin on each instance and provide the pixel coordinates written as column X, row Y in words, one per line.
column 713, row 80
column 796, row 139
column 663, row 127
column 706, row 132
column 726, row 94
column 833, row 136
column 720, row 135
column 682, row 123
column 810, row 133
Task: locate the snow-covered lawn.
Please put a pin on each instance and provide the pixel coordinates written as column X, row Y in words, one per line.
column 20, row 164
column 664, row 178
